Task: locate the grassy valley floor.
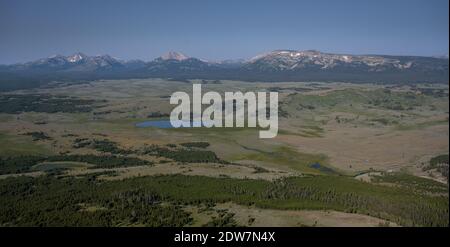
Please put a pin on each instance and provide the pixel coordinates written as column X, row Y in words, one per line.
column 346, row 155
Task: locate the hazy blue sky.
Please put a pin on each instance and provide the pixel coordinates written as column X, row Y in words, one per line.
column 220, row 29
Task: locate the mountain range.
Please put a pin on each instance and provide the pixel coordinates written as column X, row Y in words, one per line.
column 276, row 66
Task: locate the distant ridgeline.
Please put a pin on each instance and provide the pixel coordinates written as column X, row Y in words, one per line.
column 282, row 65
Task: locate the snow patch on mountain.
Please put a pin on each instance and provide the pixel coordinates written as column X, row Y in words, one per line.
column 76, row 57
column 173, row 55
column 289, row 59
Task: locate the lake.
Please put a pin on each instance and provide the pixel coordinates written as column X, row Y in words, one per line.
column 322, row 168
column 162, row 124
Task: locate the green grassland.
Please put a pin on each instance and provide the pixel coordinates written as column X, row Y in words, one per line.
column 368, row 107
column 285, row 156
column 94, row 129
column 11, row 145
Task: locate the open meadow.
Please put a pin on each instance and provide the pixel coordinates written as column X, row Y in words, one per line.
column 345, row 155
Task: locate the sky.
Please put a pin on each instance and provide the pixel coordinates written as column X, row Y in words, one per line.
column 217, row 30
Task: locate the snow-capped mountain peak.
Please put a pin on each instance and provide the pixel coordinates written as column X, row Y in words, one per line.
column 291, row 59
column 278, row 65
column 173, row 55
column 76, row 57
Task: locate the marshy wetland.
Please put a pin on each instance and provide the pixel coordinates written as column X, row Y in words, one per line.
column 101, row 154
